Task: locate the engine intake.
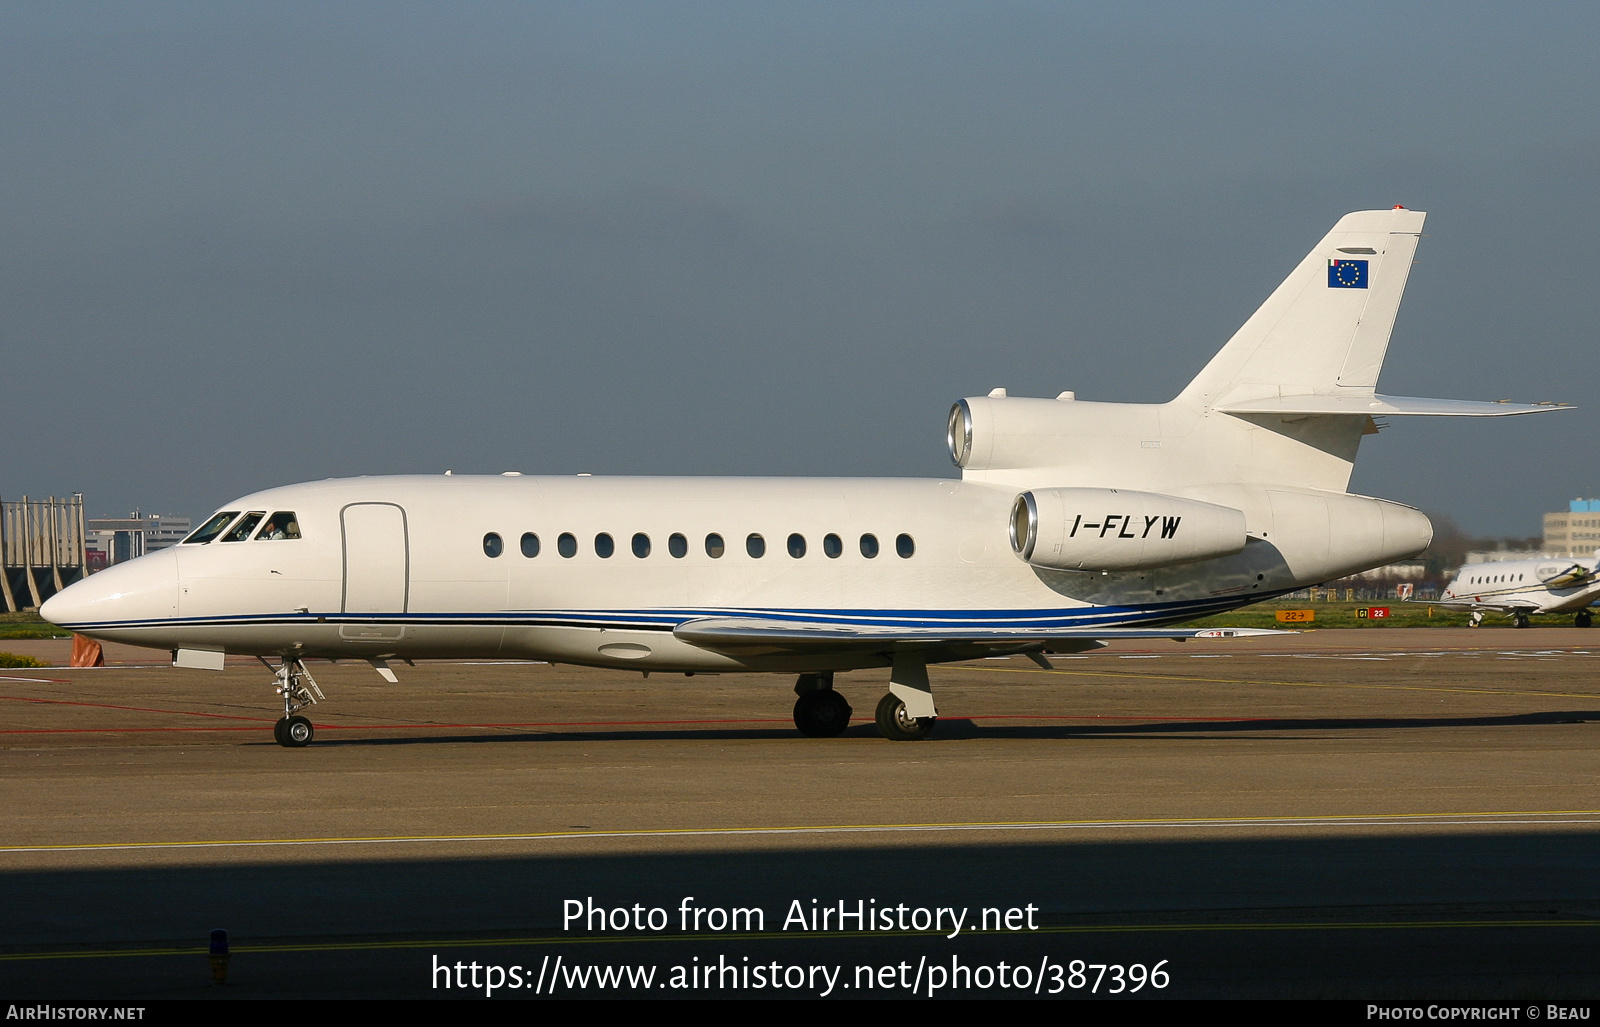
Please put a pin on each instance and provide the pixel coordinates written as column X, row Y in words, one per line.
column 1120, row 530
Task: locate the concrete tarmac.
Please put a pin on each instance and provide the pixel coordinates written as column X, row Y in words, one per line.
column 1378, row 813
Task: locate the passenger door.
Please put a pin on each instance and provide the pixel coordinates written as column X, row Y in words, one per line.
column 376, row 560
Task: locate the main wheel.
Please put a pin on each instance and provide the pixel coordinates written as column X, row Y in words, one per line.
column 296, row 732
column 898, row 726
column 1582, row 619
column 1520, row 620
column 822, row 713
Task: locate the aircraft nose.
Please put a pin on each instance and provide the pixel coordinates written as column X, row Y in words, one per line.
column 140, row 590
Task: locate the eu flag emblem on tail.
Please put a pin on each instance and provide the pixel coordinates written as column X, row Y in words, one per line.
column 1347, row 274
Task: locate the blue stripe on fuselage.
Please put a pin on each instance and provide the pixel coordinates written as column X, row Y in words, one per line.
column 667, row 619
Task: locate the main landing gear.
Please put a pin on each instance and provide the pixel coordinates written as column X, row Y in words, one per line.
column 299, row 690
column 820, row 712
column 906, row 714
column 1582, row 619
column 1520, row 620
column 897, row 725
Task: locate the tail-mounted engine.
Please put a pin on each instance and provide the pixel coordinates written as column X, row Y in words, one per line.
column 1120, row 530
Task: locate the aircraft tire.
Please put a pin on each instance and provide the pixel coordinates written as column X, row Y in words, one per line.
column 277, row 731
column 894, row 725
column 1582, row 620
column 822, row 713
column 297, row 732
column 1520, row 621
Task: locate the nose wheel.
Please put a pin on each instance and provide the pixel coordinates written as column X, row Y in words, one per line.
column 299, row 690
column 293, row 732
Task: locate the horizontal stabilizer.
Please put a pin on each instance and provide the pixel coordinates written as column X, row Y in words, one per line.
column 746, row 633
column 1386, row 406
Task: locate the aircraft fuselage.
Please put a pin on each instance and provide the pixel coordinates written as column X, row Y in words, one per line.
column 434, row 566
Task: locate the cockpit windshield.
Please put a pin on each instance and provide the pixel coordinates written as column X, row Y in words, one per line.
column 280, row 525
column 246, row 524
column 211, row 529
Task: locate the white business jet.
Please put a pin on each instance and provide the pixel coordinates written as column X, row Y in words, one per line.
column 1521, row 588
column 1071, row 523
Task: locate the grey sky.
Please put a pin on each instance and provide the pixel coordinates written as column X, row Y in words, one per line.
column 249, row 244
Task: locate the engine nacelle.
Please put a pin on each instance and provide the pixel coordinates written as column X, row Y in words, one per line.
column 1120, row 530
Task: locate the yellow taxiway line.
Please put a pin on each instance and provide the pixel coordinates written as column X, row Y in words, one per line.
column 1482, row 818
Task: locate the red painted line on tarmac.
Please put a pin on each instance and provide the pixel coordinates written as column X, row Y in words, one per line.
column 536, row 724
column 121, row 730
column 109, row 706
column 420, row 727
column 1031, row 716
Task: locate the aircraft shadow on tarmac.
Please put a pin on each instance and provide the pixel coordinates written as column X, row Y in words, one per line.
column 960, row 729
column 1426, row 912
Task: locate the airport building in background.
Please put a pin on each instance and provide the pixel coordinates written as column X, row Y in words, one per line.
column 42, row 549
column 1575, row 531
column 119, row 539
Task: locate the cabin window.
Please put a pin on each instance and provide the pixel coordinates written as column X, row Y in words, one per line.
column 678, row 546
column 714, row 546
column 869, row 546
column 797, row 545
column 905, row 545
column 211, row 529
column 641, row 545
column 755, row 545
column 530, row 544
column 604, row 546
column 280, row 525
column 246, row 525
column 832, row 546
column 567, row 545
column 492, row 546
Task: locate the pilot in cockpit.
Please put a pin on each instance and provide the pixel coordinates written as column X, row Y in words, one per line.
column 280, row 525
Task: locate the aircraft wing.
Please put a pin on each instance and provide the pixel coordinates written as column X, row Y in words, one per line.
column 734, row 634
column 1465, row 603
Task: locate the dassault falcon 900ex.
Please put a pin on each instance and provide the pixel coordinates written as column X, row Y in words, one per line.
column 1071, row 523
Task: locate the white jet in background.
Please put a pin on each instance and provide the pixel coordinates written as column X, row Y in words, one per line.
column 1522, row 588
column 1071, row 523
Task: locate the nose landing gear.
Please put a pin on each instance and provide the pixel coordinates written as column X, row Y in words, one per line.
column 299, row 690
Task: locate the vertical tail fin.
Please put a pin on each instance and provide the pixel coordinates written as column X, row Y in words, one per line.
column 1324, row 331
